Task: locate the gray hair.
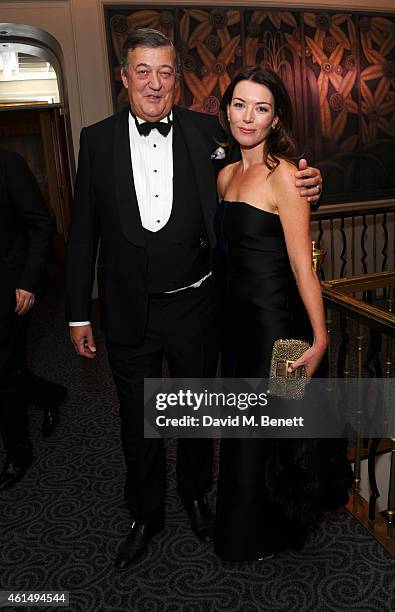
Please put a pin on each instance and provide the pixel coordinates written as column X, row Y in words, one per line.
column 147, row 37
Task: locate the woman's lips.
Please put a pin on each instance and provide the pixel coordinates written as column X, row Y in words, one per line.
column 246, row 130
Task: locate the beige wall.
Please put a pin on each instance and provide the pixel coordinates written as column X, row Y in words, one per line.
column 78, row 26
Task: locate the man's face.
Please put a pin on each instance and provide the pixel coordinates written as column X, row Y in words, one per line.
column 150, row 81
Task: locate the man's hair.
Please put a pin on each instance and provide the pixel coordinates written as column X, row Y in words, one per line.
column 146, row 37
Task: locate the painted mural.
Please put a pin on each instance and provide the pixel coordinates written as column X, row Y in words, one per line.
column 339, row 69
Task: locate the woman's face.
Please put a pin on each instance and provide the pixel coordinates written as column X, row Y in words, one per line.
column 251, row 113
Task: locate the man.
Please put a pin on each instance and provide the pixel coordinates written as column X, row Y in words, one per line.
column 146, row 188
column 25, row 236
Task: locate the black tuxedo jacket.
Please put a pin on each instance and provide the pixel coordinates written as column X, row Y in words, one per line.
column 25, row 228
column 105, row 210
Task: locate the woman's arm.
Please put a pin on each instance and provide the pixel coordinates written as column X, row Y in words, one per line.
column 294, row 214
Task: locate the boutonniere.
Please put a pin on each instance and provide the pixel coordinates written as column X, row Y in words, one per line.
column 219, row 153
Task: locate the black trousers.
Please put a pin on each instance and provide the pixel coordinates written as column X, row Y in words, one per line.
column 181, row 327
column 13, row 408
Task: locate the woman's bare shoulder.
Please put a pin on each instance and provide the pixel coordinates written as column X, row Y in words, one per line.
column 227, row 170
column 284, row 173
column 224, row 177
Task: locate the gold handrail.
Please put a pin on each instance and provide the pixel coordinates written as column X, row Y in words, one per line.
column 353, row 208
column 335, row 295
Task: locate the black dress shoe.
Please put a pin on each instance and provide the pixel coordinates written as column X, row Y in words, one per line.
column 266, row 556
column 134, row 545
column 50, row 420
column 14, row 471
column 50, row 408
column 202, row 519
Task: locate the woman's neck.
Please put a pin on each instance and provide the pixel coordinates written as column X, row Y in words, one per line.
column 251, row 156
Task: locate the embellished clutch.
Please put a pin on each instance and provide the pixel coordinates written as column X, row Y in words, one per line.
column 281, row 382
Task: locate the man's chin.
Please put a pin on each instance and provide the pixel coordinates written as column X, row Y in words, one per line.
column 155, row 114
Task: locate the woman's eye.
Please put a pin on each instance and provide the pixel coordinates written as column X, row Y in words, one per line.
column 262, row 109
column 238, row 104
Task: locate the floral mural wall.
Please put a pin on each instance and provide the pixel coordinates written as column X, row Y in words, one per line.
column 339, row 69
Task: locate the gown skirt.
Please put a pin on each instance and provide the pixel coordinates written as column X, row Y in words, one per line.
column 271, row 492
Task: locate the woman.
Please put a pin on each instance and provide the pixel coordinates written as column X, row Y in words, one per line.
column 270, row 491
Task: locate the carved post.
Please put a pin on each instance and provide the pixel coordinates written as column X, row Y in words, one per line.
column 357, row 465
column 390, row 513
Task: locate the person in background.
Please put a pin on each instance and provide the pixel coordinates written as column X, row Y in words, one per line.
column 26, row 230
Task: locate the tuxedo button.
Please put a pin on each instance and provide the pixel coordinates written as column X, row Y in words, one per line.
column 203, row 243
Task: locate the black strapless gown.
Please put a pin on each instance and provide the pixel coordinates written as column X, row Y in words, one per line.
column 270, row 492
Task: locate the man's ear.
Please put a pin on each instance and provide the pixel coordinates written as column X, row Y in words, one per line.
column 124, row 77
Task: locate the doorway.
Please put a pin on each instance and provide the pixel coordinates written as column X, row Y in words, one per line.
column 33, row 119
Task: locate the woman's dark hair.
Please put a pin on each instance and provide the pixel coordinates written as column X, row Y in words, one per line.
column 279, row 142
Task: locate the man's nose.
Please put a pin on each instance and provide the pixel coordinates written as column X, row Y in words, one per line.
column 155, row 81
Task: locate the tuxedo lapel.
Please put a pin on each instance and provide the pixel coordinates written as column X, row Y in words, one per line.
column 124, row 183
column 203, row 169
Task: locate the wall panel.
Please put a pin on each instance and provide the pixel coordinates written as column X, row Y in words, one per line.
column 339, row 68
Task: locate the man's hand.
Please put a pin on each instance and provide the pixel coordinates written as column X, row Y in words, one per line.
column 310, row 180
column 83, row 341
column 24, row 301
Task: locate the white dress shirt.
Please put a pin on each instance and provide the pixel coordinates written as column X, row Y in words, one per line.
column 152, row 163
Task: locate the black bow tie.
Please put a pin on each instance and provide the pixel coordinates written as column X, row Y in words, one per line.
column 145, row 128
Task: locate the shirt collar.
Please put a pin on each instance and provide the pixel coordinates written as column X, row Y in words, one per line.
column 163, row 120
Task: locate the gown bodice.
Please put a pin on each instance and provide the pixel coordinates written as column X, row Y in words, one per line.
column 252, row 240
column 261, row 294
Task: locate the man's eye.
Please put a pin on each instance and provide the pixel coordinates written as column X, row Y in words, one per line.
column 142, row 73
column 166, row 75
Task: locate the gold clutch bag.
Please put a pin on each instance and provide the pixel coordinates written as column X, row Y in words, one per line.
column 281, row 382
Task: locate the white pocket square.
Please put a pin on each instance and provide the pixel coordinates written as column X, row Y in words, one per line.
column 219, row 153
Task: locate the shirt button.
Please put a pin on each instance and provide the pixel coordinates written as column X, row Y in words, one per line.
column 157, row 195
column 154, row 146
column 155, row 171
column 158, row 220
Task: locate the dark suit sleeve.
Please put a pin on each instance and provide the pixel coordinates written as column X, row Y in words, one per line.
column 315, row 206
column 83, row 240
column 24, row 194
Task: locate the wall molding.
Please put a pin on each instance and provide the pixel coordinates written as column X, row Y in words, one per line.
column 348, row 5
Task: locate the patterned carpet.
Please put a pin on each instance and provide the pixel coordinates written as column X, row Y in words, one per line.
column 59, row 527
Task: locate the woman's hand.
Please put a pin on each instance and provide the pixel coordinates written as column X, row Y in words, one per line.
column 311, row 358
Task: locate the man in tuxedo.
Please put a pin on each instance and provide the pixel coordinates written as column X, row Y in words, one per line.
column 25, row 236
column 146, row 188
